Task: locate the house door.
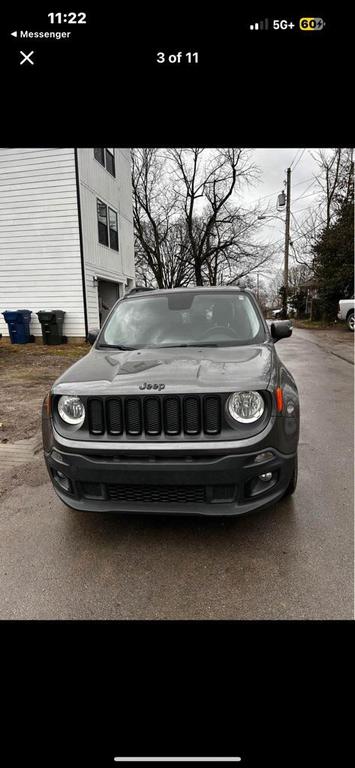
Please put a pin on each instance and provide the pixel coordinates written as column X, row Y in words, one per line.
column 108, row 293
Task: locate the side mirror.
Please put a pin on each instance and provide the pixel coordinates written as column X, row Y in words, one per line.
column 281, row 330
column 92, row 335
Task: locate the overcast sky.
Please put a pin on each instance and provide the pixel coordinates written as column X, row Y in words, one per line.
column 273, row 164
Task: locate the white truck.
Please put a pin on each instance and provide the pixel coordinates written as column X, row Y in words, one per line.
column 346, row 312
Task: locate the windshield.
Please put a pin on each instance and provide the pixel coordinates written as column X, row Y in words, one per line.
column 184, row 319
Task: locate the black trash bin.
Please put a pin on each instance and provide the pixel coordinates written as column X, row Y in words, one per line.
column 52, row 326
column 18, row 322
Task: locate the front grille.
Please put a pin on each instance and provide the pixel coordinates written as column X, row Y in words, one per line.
column 172, row 415
column 155, row 494
column 115, row 417
column 212, row 415
column 133, row 416
column 153, row 415
column 152, row 418
column 96, row 417
column 192, row 416
column 159, row 494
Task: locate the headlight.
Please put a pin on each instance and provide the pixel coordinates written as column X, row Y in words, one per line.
column 71, row 410
column 246, row 406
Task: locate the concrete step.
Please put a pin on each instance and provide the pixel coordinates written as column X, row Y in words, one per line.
column 20, row 452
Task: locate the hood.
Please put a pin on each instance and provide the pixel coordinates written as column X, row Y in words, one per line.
column 185, row 370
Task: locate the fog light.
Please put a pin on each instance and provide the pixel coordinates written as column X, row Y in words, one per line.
column 290, row 408
column 265, row 477
column 63, row 481
column 266, row 456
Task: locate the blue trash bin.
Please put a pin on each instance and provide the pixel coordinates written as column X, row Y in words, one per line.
column 18, row 322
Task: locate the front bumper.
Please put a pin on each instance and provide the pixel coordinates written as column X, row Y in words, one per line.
column 207, row 482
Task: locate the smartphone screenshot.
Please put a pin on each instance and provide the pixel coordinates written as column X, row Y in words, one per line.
column 176, row 385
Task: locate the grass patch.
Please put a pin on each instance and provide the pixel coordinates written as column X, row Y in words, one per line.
column 43, row 350
column 320, row 325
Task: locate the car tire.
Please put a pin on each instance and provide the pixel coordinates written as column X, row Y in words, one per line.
column 293, row 482
column 350, row 321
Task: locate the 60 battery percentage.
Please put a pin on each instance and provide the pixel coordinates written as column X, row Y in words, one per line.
column 311, row 24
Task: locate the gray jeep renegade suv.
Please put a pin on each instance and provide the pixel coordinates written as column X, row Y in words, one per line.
column 181, row 406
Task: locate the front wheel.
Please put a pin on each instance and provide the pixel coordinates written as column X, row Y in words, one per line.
column 350, row 321
column 293, row 482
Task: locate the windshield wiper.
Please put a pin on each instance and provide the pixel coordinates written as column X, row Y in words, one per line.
column 161, row 346
column 114, row 346
column 201, row 344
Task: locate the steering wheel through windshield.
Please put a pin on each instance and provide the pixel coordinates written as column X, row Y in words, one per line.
column 217, row 328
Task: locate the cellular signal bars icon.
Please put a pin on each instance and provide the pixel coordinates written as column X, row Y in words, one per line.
column 260, row 25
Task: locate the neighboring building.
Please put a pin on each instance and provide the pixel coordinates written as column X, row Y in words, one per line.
column 66, row 233
column 311, row 289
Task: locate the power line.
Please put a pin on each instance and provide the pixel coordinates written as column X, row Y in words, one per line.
column 258, row 199
column 303, row 197
column 303, row 182
column 296, row 222
column 306, row 208
column 306, row 190
column 303, row 234
column 300, row 158
column 294, row 158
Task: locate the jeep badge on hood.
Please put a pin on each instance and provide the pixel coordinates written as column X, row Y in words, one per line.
column 159, row 387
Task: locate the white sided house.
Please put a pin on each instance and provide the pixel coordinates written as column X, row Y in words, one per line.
column 66, row 233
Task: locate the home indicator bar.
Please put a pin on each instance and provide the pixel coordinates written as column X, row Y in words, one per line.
column 177, row 759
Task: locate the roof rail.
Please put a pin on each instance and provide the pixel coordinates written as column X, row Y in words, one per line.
column 137, row 289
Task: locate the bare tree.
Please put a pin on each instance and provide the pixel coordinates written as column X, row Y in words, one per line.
column 160, row 239
column 188, row 225
column 273, row 290
column 334, row 179
column 205, row 183
column 260, row 290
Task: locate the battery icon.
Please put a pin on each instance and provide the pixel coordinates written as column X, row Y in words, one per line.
column 311, row 24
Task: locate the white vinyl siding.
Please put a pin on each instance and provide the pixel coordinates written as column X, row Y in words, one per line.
column 40, row 262
column 40, row 265
column 116, row 192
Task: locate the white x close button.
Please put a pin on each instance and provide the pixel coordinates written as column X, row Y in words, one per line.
column 27, row 57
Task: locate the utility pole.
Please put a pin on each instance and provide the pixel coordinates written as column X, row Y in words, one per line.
column 287, row 241
column 257, row 286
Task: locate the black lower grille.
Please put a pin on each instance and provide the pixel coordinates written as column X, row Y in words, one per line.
column 153, row 415
column 155, row 494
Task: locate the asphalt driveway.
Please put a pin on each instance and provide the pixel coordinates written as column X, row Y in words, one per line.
column 292, row 561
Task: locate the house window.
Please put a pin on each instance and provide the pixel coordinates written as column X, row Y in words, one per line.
column 106, row 157
column 99, row 155
column 113, row 228
column 107, row 225
column 102, row 222
column 110, row 161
